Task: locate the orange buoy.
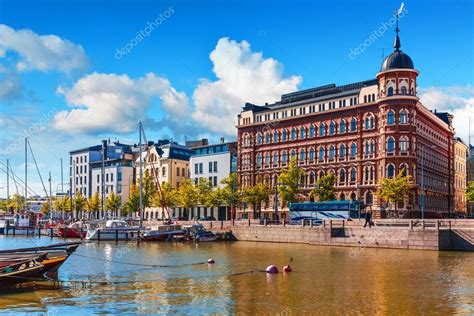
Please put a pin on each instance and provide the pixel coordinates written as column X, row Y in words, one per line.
column 211, row 261
column 287, row 269
column 272, row 269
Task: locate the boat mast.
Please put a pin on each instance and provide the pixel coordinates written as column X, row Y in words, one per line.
column 141, row 174
column 50, row 197
column 62, row 191
column 8, row 183
column 26, row 173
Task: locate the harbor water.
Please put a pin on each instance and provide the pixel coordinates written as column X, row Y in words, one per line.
column 174, row 278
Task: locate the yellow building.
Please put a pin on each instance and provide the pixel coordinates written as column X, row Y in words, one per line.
column 168, row 162
column 460, row 176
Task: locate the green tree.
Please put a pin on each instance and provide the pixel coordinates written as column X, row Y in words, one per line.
column 44, row 209
column 113, row 203
column 230, row 193
column 188, row 195
column 93, row 205
column 325, row 187
column 148, row 189
column 470, row 191
column 203, row 189
column 17, row 203
column 394, row 189
column 289, row 180
column 133, row 202
column 79, row 203
column 62, row 204
column 249, row 196
column 3, row 206
column 169, row 196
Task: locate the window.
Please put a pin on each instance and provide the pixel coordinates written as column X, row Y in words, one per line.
column 200, row 168
column 311, row 154
column 196, row 168
column 303, row 155
column 111, row 177
column 353, row 152
column 332, row 152
column 353, row 175
column 403, row 117
column 302, row 132
column 284, row 136
column 312, row 131
column 322, row 153
column 312, row 177
column 268, row 138
column 275, row 136
column 390, row 144
column 390, row 171
column 284, row 157
column 369, row 121
column 342, row 176
column 322, row 129
column 98, row 178
column 119, row 176
column 403, row 90
column 267, row 159
column 293, row 133
column 343, row 127
column 332, row 128
column 210, row 166
column 259, row 139
column 342, row 152
column 390, row 117
column 259, row 159
column 369, row 198
column 163, row 171
column 353, row 124
column 215, row 166
column 390, row 91
column 214, row 183
column 275, row 158
column 404, row 144
column 293, row 153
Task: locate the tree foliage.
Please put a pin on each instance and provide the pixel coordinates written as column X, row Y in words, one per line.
column 168, row 194
column 325, row 187
column 133, row 202
column 188, row 194
column 93, row 203
column 289, row 180
column 395, row 189
column 470, row 191
column 113, row 203
column 230, row 192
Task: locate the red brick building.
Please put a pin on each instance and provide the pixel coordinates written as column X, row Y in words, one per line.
column 361, row 132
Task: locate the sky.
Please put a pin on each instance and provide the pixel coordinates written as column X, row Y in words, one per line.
column 75, row 72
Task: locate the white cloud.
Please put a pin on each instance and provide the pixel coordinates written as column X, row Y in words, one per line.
column 242, row 76
column 459, row 101
column 41, row 52
column 10, row 84
column 115, row 103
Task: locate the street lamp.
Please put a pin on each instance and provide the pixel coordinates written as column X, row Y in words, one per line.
column 422, row 195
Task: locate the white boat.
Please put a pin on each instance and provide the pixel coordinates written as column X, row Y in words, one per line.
column 113, row 230
column 9, row 226
column 163, row 232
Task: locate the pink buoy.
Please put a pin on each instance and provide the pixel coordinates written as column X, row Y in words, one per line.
column 272, row 269
column 211, row 261
column 287, row 269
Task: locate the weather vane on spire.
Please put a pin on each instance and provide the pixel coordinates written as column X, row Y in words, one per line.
column 397, row 44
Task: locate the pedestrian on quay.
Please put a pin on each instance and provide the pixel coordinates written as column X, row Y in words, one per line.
column 368, row 219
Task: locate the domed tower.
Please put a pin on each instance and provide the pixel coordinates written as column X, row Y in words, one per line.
column 397, row 117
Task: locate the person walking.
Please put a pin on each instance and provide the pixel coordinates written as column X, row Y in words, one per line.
column 368, row 219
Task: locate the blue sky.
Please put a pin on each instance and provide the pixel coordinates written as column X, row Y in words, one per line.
column 303, row 44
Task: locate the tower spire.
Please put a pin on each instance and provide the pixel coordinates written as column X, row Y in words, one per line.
column 397, row 43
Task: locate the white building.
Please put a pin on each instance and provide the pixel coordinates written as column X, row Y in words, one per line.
column 79, row 169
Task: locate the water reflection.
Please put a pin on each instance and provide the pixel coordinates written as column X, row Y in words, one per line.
column 325, row 280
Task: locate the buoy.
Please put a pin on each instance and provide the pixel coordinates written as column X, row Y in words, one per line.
column 211, row 261
column 287, row 268
column 272, row 269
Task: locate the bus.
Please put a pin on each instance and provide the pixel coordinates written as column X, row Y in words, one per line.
column 317, row 211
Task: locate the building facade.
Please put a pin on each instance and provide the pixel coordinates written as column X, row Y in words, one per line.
column 360, row 132
column 470, row 176
column 79, row 169
column 213, row 162
column 460, row 176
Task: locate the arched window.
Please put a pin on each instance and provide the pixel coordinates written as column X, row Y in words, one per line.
column 342, row 176
column 390, row 91
column 259, row 139
column 293, row 153
column 259, row 159
column 284, row 157
column 369, row 121
column 312, row 131
column 403, row 117
column 353, row 175
column 312, row 177
column 332, row 128
column 311, row 154
column 342, row 127
column 390, row 117
column 284, row 136
column 403, row 90
column 246, row 140
column 303, row 155
column 267, row 159
column 276, row 137
column 322, row 129
column 332, row 152
column 404, row 144
column 369, row 198
column 342, row 152
column 293, row 133
column 353, row 124
column 322, row 153
column 390, row 144
column 353, row 152
column 302, row 132
column 404, row 169
column 275, row 158
column 321, row 174
column 390, row 171
column 268, row 138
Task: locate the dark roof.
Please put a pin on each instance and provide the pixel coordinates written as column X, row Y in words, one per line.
column 444, row 116
column 397, row 60
column 91, row 148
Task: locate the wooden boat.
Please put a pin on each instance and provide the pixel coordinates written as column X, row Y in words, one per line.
column 163, row 232
column 26, row 270
column 74, row 230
